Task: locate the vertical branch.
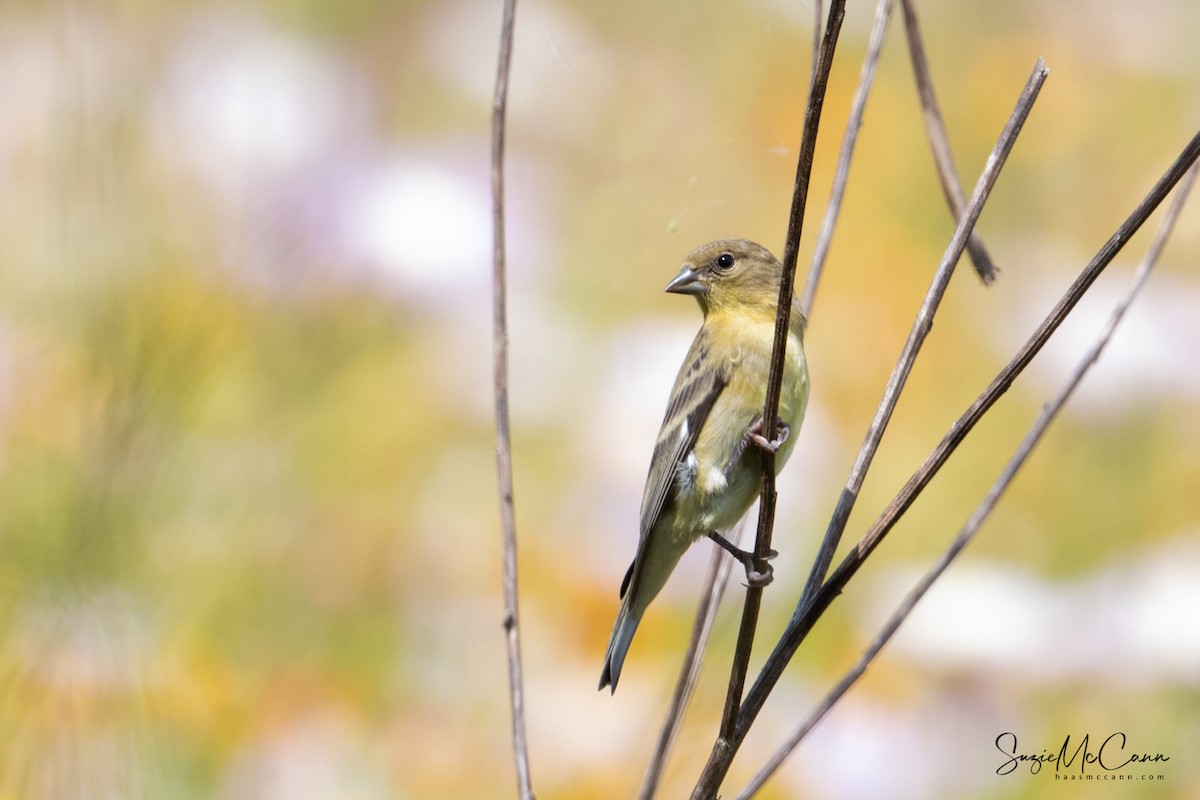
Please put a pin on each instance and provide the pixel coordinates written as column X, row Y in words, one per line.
column 512, row 627
column 818, row 23
column 766, row 510
column 883, row 14
column 939, row 141
column 722, row 753
column 714, row 585
column 988, row 504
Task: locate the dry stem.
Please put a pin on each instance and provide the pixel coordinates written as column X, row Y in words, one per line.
column 512, row 626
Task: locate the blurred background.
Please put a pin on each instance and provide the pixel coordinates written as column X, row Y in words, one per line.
column 248, row 533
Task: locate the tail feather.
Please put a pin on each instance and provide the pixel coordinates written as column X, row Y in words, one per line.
column 656, row 558
column 618, row 645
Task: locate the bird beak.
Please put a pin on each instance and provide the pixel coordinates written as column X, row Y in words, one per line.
column 686, row 282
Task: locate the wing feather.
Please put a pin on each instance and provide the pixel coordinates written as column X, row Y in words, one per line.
column 697, row 387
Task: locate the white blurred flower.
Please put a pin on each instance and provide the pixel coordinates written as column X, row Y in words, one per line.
column 424, row 223
column 981, row 618
column 242, row 102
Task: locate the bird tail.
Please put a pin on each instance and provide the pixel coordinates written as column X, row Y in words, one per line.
column 656, row 557
column 618, row 645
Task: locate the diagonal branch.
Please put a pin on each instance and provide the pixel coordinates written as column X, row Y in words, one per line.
column 504, row 481
column 939, row 141
column 808, row 612
column 920, row 329
column 988, row 504
column 721, row 757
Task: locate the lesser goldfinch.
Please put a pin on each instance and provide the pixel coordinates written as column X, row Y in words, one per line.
column 707, row 464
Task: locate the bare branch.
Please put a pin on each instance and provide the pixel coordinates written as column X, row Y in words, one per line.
column 766, row 510
column 714, row 585
column 920, row 329
column 714, row 772
column 883, row 14
column 939, row 141
column 512, row 627
column 806, row 615
column 987, row 505
column 818, row 23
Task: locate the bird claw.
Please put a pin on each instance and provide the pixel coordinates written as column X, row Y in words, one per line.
column 754, row 577
column 755, row 435
column 759, row 580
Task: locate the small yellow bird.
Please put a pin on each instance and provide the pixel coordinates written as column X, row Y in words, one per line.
column 704, row 474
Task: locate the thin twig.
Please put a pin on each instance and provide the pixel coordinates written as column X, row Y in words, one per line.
column 806, row 616
column 766, row 508
column 939, row 141
column 920, row 329
column 883, row 14
column 715, row 581
column 818, row 20
column 988, row 504
column 504, row 481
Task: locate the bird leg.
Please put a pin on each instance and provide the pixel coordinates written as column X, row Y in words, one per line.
column 746, row 558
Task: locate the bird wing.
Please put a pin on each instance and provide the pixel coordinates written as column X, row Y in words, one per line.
column 697, row 387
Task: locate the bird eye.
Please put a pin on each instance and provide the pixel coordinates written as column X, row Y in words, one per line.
column 724, row 261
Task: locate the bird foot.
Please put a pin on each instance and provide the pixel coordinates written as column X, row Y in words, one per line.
column 754, row 577
column 755, row 435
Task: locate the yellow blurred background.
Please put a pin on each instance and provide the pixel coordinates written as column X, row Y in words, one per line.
column 248, row 534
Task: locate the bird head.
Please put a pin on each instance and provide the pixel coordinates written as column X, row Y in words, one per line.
column 730, row 273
